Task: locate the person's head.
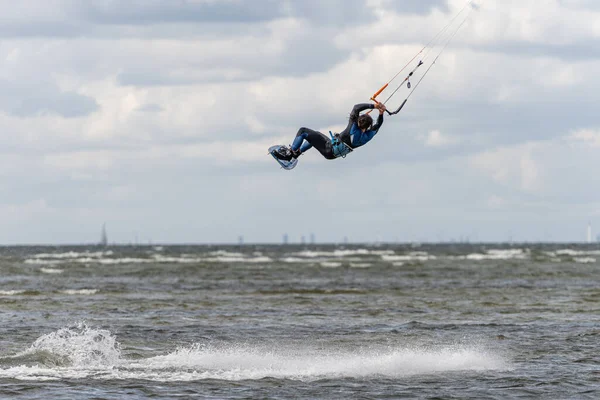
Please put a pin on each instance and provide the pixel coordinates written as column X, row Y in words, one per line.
column 364, row 122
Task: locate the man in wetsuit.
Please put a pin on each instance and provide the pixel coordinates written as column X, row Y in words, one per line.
column 360, row 131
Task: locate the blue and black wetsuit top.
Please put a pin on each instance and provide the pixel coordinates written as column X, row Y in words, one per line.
column 352, row 135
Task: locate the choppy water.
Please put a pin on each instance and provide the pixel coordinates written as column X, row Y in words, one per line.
column 443, row 321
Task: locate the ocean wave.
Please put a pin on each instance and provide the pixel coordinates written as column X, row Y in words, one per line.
column 508, row 254
column 584, row 260
column 230, row 259
column 360, row 265
column 225, row 253
column 573, row 253
column 414, row 256
column 297, row 260
column 79, row 291
column 154, row 259
column 330, row 264
column 52, row 271
column 74, row 254
column 76, row 346
column 11, row 292
column 36, row 261
column 340, row 253
column 79, row 352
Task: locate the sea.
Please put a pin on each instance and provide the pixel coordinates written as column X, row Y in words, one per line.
column 371, row 321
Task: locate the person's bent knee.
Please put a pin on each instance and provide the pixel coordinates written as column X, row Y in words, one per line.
column 301, row 131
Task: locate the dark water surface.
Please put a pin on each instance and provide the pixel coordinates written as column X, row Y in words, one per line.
column 392, row 321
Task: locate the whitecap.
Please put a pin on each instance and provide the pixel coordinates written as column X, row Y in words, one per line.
column 360, row 265
column 509, row 254
column 73, row 254
column 584, row 260
column 79, row 291
column 329, row 264
column 11, row 292
column 51, row 270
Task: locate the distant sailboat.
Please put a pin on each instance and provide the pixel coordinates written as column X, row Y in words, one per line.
column 104, row 238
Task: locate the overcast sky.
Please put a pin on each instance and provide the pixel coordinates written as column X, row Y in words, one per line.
column 154, row 117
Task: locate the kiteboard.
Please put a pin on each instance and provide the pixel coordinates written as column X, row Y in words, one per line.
column 283, row 150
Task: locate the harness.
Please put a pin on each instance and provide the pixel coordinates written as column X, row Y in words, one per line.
column 340, row 148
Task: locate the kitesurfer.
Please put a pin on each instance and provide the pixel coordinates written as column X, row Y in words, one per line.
column 360, row 131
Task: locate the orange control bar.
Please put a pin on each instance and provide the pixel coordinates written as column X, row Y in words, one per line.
column 379, row 92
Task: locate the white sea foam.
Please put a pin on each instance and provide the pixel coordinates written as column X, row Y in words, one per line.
column 11, row 292
column 297, row 260
column 360, row 265
column 78, row 347
column 585, row 260
column 330, row 264
column 413, row 256
column 51, row 271
column 82, row 352
column 79, row 291
column 230, row 259
column 509, row 254
column 36, row 261
column 226, row 253
column 241, row 363
column 73, row 254
column 573, row 253
column 340, row 253
column 154, row 259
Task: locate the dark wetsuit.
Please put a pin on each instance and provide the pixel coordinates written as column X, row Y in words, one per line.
column 352, row 135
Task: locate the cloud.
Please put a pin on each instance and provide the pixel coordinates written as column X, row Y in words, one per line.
column 113, row 111
column 586, row 136
column 150, row 108
column 436, row 139
column 515, row 166
column 29, row 99
column 187, row 11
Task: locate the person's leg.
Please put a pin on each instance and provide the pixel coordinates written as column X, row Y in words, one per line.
column 298, row 143
column 313, row 138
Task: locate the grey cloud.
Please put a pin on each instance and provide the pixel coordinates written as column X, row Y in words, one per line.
column 165, row 11
column 99, row 18
column 580, row 51
column 68, row 105
column 150, row 108
column 26, row 100
column 332, row 12
column 141, row 77
column 418, row 7
column 47, row 29
column 137, row 18
column 133, row 18
column 581, row 4
column 302, row 56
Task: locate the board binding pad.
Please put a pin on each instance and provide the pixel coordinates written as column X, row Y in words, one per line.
column 283, row 150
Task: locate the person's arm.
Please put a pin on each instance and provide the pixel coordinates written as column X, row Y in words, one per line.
column 354, row 116
column 379, row 120
column 356, row 110
column 373, row 131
